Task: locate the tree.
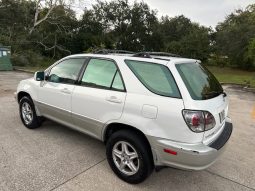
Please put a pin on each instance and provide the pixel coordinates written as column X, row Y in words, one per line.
column 50, row 29
column 44, row 10
column 35, row 31
column 57, row 32
column 185, row 38
column 117, row 24
column 250, row 55
column 15, row 17
column 234, row 35
column 90, row 31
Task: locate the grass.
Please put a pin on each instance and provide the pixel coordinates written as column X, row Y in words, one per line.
column 230, row 75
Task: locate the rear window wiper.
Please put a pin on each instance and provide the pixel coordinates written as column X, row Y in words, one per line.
column 213, row 94
column 224, row 94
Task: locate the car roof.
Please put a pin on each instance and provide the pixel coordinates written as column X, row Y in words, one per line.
column 155, row 59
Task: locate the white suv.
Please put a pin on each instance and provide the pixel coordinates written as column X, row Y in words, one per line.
column 150, row 109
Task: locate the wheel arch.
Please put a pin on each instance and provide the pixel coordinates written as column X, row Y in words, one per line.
column 21, row 94
column 114, row 127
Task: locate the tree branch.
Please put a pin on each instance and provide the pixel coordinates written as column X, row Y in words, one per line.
column 52, row 5
column 59, row 47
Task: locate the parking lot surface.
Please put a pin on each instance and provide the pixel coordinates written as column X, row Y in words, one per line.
column 54, row 157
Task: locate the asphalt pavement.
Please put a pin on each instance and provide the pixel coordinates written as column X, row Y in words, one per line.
column 54, row 157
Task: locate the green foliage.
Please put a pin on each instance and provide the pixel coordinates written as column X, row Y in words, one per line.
column 15, row 17
column 193, row 43
column 249, row 57
column 32, row 59
column 217, row 60
column 118, row 24
column 234, row 36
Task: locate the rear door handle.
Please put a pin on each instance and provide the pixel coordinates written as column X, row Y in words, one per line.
column 66, row 91
column 113, row 99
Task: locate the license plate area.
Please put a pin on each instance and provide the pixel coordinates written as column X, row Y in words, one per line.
column 222, row 116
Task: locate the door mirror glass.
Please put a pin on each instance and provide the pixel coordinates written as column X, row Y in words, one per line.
column 39, row 76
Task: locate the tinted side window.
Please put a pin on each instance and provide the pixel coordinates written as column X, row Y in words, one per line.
column 117, row 83
column 66, row 71
column 155, row 77
column 102, row 74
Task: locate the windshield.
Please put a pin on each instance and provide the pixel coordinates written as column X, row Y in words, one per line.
column 200, row 83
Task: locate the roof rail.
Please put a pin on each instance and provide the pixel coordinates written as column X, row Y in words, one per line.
column 150, row 54
column 108, row 51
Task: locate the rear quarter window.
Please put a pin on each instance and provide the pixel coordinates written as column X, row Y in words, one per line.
column 155, row 77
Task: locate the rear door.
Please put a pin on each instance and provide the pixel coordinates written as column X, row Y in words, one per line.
column 99, row 97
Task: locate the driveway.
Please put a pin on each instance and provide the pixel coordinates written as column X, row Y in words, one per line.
column 54, row 157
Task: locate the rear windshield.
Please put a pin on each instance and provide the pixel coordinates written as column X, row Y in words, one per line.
column 200, row 83
column 155, row 77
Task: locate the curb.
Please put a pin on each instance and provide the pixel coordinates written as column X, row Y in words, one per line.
column 249, row 89
column 23, row 70
column 242, row 86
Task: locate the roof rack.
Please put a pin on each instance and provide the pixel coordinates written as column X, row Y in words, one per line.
column 153, row 54
column 108, row 51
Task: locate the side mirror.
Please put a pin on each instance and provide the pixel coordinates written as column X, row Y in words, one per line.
column 39, row 76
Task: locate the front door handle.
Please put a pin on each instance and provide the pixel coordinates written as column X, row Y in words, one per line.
column 66, row 91
column 113, row 99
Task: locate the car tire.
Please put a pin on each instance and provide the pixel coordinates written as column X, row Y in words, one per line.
column 141, row 166
column 28, row 114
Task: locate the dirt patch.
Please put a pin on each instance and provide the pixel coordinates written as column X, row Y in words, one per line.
column 4, row 92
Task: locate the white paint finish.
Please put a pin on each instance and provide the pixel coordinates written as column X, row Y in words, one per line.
column 149, row 111
column 91, row 109
column 214, row 105
column 169, row 123
column 56, row 95
column 97, row 104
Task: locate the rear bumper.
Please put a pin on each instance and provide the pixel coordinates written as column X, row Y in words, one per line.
column 189, row 156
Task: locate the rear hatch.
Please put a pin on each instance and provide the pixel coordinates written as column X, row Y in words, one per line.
column 206, row 94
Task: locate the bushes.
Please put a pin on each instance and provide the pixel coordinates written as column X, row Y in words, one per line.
column 216, row 60
column 31, row 59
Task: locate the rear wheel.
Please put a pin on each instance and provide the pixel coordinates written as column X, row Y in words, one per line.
column 28, row 114
column 127, row 154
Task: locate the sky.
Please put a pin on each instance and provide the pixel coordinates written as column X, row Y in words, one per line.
column 205, row 12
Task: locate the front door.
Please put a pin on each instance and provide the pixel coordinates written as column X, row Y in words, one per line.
column 99, row 97
column 55, row 93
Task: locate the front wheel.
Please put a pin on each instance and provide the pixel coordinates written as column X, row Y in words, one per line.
column 28, row 114
column 129, row 156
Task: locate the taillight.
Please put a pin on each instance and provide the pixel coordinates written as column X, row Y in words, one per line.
column 209, row 120
column 199, row 121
